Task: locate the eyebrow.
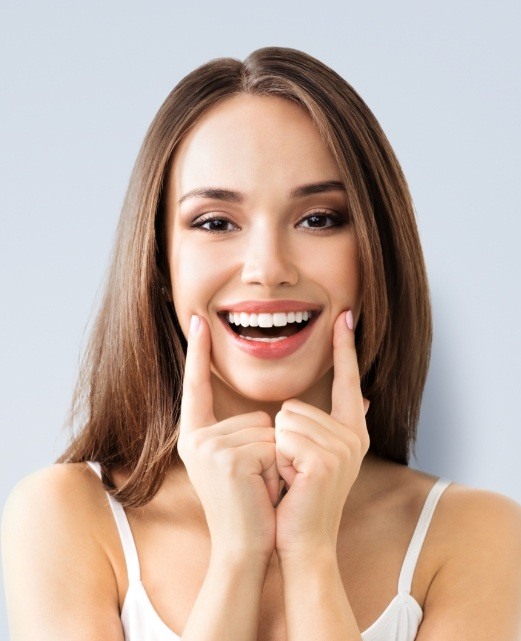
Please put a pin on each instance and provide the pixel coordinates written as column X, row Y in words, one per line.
column 216, row 193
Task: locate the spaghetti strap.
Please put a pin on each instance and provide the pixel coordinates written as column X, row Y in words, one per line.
column 415, row 546
column 125, row 533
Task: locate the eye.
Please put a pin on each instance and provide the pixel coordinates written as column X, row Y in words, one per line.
column 214, row 224
column 323, row 220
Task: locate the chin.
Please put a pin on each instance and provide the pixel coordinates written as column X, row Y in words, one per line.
column 270, row 388
column 269, row 394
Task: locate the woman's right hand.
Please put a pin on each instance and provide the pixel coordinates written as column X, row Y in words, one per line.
column 232, row 463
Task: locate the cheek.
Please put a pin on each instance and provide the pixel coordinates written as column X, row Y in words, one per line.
column 337, row 270
column 194, row 274
column 347, row 277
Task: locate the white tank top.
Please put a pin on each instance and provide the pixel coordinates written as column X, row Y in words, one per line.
column 398, row 622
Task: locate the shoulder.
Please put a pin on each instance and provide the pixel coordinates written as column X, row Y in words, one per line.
column 57, row 555
column 477, row 583
column 62, row 493
column 477, row 516
column 61, row 508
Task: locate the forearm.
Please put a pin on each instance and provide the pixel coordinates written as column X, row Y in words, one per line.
column 315, row 601
column 227, row 607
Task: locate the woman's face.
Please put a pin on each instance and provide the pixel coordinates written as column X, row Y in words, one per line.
column 258, row 224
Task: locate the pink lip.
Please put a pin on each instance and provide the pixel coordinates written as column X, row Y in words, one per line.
column 266, row 306
column 279, row 349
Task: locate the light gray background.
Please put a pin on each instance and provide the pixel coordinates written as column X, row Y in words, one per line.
column 80, row 82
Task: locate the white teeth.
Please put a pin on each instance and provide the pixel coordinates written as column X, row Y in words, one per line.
column 265, row 320
column 278, row 319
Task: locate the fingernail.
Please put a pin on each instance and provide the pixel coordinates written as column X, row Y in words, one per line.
column 195, row 323
column 349, row 319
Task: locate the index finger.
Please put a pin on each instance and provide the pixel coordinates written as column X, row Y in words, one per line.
column 197, row 401
column 347, row 404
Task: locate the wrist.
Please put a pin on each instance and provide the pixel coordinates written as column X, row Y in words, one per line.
column 307, row 559
column 239, row 559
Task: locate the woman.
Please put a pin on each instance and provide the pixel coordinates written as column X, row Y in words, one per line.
column 267, row 229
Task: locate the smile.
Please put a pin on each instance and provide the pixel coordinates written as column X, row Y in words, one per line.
column 268, row 327
column 269, row 334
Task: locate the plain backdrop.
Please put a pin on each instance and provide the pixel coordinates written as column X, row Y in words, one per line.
column 81, row 81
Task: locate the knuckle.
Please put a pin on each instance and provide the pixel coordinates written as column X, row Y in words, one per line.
column 330, row 462
column 344, row 454
column 197, row 439
column 262, row 419
column 325, row 465
column 209, row 447
column 228, row 461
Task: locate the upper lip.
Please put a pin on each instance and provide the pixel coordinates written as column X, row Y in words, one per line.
column 267, row 306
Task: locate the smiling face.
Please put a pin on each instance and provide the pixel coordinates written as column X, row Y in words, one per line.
column 258, row 222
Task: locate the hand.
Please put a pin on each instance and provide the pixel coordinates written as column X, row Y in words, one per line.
column 231, row 463
column 319, row 455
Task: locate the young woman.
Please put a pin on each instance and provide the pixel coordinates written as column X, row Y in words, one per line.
column 250, row 396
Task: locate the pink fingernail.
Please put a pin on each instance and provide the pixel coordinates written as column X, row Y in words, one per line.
column 195, row 323
column 349, row 319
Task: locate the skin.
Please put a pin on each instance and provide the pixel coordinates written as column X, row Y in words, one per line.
column 322, row 563
column 269, row 251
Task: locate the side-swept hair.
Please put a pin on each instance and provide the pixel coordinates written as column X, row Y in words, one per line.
column 128, row 396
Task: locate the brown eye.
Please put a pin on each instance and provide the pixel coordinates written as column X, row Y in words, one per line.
column 214, row 225
column 319, row 220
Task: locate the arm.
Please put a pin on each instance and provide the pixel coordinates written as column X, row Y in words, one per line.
column 227, row 607
column 59, row 582
column 319, row 458
column 315, row 599
column 232, row 466
column 476, row 594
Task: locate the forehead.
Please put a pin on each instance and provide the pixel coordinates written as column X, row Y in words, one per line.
column 249, row 142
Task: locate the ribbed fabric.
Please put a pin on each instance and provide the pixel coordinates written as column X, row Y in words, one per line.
column 399, row 621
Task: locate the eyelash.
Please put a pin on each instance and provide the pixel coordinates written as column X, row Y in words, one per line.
column 338, row 221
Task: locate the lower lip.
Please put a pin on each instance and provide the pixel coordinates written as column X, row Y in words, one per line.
column 277, row 349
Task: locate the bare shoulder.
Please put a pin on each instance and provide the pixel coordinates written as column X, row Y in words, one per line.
column 476, row 590
column 56, row 482
column 60, row 496
column 55, row 555
column 475, row 517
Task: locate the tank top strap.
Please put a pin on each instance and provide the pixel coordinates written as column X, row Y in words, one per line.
column 125, row 533
column 415, row 546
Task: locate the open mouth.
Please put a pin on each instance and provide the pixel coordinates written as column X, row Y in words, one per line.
column 268, row 328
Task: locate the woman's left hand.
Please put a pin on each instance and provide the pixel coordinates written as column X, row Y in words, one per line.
column 319, row 455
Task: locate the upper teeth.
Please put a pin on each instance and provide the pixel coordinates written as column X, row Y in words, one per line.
column 279, row 319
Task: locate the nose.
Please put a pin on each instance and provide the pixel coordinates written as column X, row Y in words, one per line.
column 268, row 260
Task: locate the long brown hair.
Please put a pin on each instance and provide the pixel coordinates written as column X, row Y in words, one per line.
column 128, row 396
